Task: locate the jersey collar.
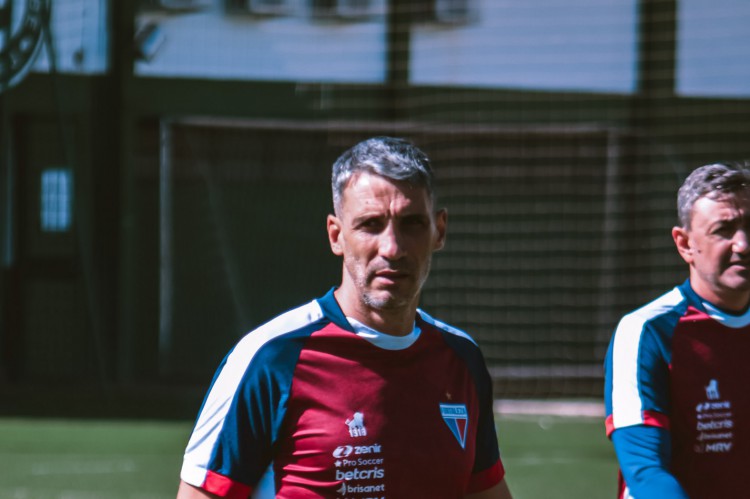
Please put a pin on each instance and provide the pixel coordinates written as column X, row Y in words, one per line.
column 734, row 321
column 333, row 311
column 383, row 340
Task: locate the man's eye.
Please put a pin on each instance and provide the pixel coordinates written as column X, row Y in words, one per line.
column 371, row 224
column 724, row 231
column 415, row 222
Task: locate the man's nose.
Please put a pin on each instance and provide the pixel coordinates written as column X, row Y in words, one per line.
column 391, row 243
column 740, row 243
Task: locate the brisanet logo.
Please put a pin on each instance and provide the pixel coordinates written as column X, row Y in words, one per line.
column 360, row 489
column 20, row 38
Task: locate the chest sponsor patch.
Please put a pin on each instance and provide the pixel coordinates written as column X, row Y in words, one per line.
column 457, row 418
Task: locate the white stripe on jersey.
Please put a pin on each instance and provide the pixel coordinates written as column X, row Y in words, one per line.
column 442, row 325
column 211, row 419
column 627, row 406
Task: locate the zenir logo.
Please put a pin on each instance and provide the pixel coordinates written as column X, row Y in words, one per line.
column 20, row 38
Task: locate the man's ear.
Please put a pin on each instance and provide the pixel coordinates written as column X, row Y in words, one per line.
column 333, row 226
column 681, row 238
column 441, row 224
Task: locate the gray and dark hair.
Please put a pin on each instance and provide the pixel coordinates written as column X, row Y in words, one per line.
column 393, row 158
column 713, row 181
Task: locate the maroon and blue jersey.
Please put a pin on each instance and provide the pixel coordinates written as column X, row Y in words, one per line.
column 681, row 364
column 304, row 407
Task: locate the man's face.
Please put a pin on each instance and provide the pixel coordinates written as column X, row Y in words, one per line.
column 717, row 249
column 386, row 232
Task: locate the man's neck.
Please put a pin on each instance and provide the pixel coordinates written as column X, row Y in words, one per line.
column 399, row 324
column 734, row 302
column 396, row 322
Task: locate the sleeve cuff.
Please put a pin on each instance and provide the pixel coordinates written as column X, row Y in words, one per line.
column 485, row 479
column 648, row 418
column 215, row 483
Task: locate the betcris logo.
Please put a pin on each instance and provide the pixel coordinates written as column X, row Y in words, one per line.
column 358, row 474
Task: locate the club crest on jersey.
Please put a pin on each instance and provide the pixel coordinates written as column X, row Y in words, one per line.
column 712, row 390
column 356, row 425
column 457, row 418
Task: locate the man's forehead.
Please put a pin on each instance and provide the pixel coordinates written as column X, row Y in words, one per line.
column 722, row 206
column 365, row 180
column 739, row 199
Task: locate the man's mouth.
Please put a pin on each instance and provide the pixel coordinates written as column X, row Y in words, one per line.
column 391, row 275
column 741, row 265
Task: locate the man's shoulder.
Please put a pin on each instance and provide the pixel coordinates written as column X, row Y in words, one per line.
column 308, row 315
column 283, row 333
column 662, row 312
column 673, row 301
column 446, row 328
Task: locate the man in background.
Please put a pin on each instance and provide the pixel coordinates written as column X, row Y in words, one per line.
column 677, row 370
column 358, row 393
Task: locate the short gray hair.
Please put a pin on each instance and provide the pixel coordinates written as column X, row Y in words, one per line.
column 713, row 181
column 393, row 158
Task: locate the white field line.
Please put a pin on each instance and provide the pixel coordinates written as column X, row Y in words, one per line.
column 87, row 467
column 571, row 408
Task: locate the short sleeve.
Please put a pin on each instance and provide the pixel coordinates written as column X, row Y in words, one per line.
column 637, row 373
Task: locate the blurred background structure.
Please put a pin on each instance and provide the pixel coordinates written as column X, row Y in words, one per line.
column 164, row 175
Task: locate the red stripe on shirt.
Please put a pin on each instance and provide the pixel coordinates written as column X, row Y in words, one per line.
column 225, row 487
column 653, row 418
column 609, row 425
column 490, row 477
column 650, row 418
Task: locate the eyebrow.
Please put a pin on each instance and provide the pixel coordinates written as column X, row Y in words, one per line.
column 367, row 216
column 731, row 220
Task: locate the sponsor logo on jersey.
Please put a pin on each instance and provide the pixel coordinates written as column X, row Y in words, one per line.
column 348, row 455
column 723, row 424
column 715, row 436
column 719, row 447
column 356, row 425
column 713, row 406
column 457, row 418
column 713, row 418
column 343, row 451
column 712, row 390
column 358, row 474
column 372, row 461
column 347, row 488
column 360, row 489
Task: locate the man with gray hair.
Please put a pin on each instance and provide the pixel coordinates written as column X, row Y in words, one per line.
column 359, row 393
column 676, row 373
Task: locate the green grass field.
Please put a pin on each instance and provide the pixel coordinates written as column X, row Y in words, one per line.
column 557, row 457
column 545, row 457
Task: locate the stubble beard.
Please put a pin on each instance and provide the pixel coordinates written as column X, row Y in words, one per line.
column 385, row 300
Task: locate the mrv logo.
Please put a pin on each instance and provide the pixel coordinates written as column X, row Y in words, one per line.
column 719, row 447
